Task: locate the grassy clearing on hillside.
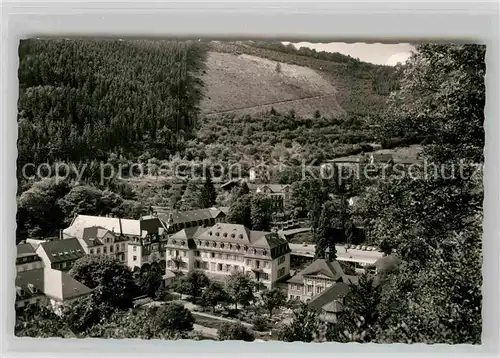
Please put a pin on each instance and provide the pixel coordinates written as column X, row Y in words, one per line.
column 399, row 154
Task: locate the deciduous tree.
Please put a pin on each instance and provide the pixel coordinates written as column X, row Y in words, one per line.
column 240, row 289
column 215, row 294
column 111, row 280
column 305, row 326
column 273, row 299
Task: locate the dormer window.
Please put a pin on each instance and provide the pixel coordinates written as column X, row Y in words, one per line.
column 245, row 248
column 207, row 243
column 233, row 236
column 225, row 234
column 217, row 233
column 238, row 246
column 210, row 233
column 173, row 241
column 254, row 251
column 221, row 245
column 183, row 243
column 264, row 252
column 32, row 288
column 214, row 244
column 240, row 236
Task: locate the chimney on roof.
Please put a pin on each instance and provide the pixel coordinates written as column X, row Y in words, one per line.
column 120, row 222
column 170, row 220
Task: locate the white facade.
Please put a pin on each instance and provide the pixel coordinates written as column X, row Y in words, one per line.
column 222, row 263
column 311, row 287
column 227, row 248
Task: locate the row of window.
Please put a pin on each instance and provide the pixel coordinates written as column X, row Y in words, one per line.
column 180, row 226
column 281, row 260
column 281, row 272
column 62, row 265
column 310, row 289
column 221, row 256
column 226, row 246
column 27, row 267
column 177, row 253
column 216, row 267
column 295, row 287
column 27, row 259
column 112, row 248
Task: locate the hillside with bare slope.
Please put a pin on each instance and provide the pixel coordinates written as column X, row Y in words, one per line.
column 248, row 77
column 247, row 84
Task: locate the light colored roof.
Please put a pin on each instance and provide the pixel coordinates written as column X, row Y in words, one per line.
column 35, row 243
column 52, row 283
column 128, row 227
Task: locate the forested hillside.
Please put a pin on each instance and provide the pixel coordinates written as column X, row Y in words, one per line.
column 126, row 102
column 86, row 99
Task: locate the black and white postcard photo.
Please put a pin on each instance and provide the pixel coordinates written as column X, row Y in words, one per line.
column 254, row 190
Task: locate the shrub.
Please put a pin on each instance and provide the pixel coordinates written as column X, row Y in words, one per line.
column 235, row 331
column 259, row 323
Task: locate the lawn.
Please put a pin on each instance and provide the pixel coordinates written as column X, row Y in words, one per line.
column 207, row 321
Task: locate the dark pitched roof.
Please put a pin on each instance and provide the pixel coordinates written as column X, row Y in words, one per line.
column 187, row 235
column 332, row 269
column 52, row 283
column 235, row 233
column 63, row 250
column 29, row 284
column 95, row 232
column 25, row 250
column 190, row 215
column 223, row 234
column 273, row 188
column 326, row 300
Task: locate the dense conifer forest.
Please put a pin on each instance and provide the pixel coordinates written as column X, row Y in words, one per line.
column 86, row 99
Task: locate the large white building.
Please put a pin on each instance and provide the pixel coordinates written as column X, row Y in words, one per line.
column 222, row 249
column 131, row 241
